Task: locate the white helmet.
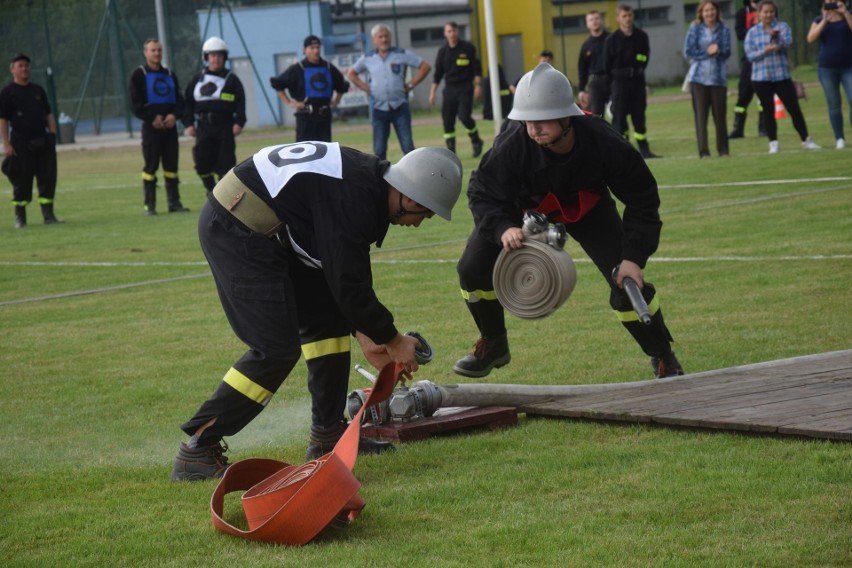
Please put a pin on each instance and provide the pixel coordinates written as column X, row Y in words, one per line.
column 544, row 94
column 430, row 176
column 214, row 44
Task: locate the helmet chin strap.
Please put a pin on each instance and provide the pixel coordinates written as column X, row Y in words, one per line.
column 400, row 212
column 561, row 137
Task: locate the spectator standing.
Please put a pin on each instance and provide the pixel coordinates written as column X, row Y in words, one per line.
column 546, row 56
column 457, row 64
column 315, row 87
column 566, row 165
column 834, row 66
column 708, row 46
column 626, row 55
column 766, row 47
column 155, row 98
column 594, row 82
column 216, row 102
column 387, row 66
column 287, row 235
column 31, row 144
column 746, row 17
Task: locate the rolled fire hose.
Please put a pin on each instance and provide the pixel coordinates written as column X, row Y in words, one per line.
column 288, row 504
column 534, row 281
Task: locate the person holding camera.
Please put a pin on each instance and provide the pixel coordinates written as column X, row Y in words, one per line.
column 766, row 46
column 833, row 28
column 567, row 165
column 30, row 149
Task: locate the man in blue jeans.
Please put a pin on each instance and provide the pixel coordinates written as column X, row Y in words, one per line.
column 387, row 88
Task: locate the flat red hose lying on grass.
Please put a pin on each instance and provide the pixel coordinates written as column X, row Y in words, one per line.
column 289, row 504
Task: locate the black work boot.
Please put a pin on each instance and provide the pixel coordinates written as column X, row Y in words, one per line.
column 323, row 440
column 209, row 181
column 645, row 150
column 173, row 195
column 477, row 145
column 20, row 216
column 451, row 144
column 47, row 213
column 739, row 126
column 149, row 188
column 666, row 366
column 200, row 463
column 488, row 353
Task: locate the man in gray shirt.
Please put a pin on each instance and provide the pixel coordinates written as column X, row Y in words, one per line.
column 387, row 88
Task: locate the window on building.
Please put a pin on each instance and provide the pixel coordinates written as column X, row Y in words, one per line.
column 563, row 25
column 656, row 16
column 424, row 37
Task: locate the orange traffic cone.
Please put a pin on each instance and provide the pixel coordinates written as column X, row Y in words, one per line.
column 779, row 109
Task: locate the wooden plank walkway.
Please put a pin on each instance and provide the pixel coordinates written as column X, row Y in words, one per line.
column 807, row 396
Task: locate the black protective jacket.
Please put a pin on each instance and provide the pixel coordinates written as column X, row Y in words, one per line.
column 219, row 92
column 331, row 222
column 591, row 59
column 517, row 174
column 457, row 65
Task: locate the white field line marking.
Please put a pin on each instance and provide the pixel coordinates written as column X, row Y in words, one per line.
column 757, row 182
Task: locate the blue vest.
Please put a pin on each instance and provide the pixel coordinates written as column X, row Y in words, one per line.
column 161, row 88
column 317, row 82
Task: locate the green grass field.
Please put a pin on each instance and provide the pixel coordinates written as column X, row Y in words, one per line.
column 112, row 335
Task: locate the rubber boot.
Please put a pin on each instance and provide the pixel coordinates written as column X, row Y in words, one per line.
column 645, row 150
column 20, row 216
column 739, row 126
column 451, row 144
column 209, row 181
column 47, row 213
column 149, row 187
column 173, row 195
column 488, row 353
column 477, row 144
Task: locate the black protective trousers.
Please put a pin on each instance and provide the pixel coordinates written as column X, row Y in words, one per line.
column 38, row 164
column 278, row 307
column 458, row 102
column 599, row 233
column 215, row 148
column 629, row 99
column 313, row 126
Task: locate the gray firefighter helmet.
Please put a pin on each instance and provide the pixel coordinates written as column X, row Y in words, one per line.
column 544, row 94
column 430, row 176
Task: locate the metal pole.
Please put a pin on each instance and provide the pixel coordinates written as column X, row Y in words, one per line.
column 51, row 86
column 493, row 73
column 161, row 32
column 395, row 30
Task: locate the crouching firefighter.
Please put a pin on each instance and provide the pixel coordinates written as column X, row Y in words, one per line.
column 287, row 234
column 567, row 165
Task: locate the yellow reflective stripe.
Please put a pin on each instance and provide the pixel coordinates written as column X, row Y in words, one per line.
column 45, row 200
column 449, row 135
column 640, row 136
column 149, row 177
column 653, row 308
column 20, row 203
column 228, row 97
column 247, row 387
column 504, row 92
column 462, row 62
column 170, row 175
column 473, row 130
column 641, row 57
column 326, row 347
column 476, row 295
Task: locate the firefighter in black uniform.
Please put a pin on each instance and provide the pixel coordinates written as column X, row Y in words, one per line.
column 593, row 78
column 626, row 54
column 312, row 82
column 457, row 64
column 745, row 18
column 565, row 164
column 215, row 98
column 30, row 149
column 287, row 234
column 155, row 98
